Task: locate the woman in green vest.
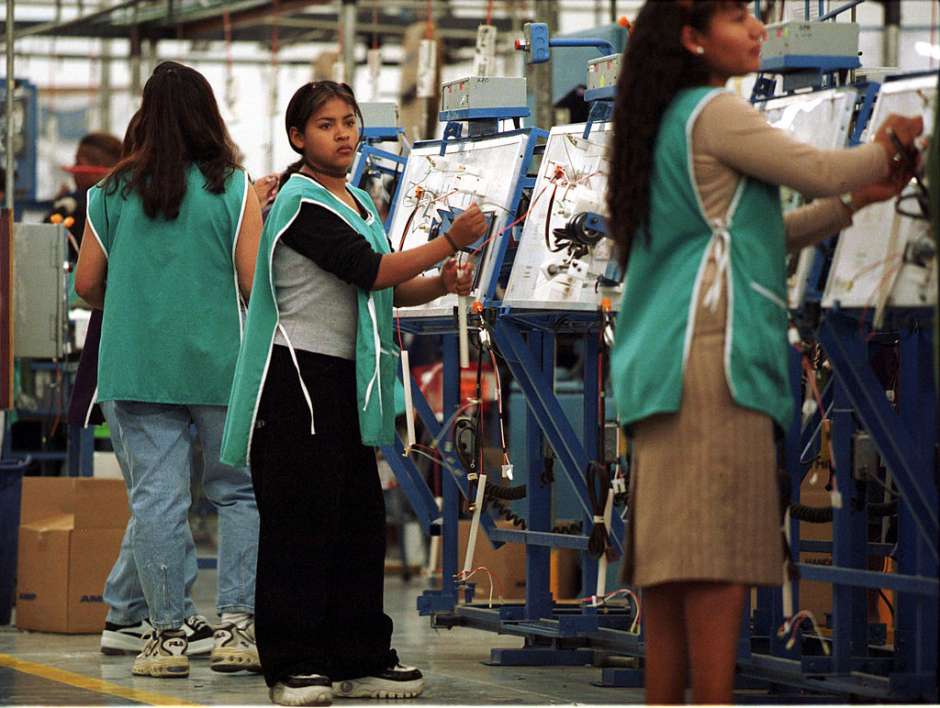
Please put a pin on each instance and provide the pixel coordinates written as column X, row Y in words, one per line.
column 699, row 367
column 171, row 236
column 314, row 391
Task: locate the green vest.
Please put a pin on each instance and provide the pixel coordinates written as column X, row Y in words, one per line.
column 654, row 328
column 376, row 352
column 172, row 316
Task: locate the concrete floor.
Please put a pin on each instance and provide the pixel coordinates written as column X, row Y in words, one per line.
column 57, row 669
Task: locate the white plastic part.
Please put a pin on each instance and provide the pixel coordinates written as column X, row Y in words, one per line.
column 484, row 58
column 602, row 562
column 793, row 336
column 427, row 69
column 374, row 62
column 339, row 72
column 787, row 583
column 463, row 302
column 409, row 405
column 507, row 472
column 475, row 525
column 836, row 496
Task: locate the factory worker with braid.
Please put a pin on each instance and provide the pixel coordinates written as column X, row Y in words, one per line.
column 313, row 395
column 699, row 368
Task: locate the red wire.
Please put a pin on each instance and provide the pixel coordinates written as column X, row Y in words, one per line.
column 429, row 28
column 489, row 13
column 513, row 224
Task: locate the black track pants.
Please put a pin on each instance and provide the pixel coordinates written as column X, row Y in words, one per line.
column 321, row 551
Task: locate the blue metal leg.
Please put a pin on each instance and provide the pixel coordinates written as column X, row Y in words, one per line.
column 916, row 615
column 589, row 436
column 412, row 485
column 550, row 416
column 451, row 507
column 894, row 440
column 849, row 542
column 538, row 595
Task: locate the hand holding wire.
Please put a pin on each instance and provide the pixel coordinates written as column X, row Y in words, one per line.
column 468, row 227
column 896, row 135
column 457, row 278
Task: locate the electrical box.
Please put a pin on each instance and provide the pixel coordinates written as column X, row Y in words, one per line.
column 796, row 46
column 886, row 258
column 602, row 76
column 536, row 42
column 379, row 114
column 822, row 119
column 483, row 97
column 40, row 301
column 564, row 261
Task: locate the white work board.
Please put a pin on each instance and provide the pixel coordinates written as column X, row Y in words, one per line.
column 435, row 188
column 572, row 180
column 872, row 267
column 822, row 119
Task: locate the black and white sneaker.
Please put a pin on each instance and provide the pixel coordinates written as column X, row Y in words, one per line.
column 199, row 634
column 234, row 648
column 164, row 655
column 303, row 690
column 129, row 638
column 124, row 638
column 397, row 681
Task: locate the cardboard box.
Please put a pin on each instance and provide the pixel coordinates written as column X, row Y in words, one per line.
column 815, row 596
column 507, row 565
column 70, row 535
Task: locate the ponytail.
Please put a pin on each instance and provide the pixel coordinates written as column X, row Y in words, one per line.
column 291, row 169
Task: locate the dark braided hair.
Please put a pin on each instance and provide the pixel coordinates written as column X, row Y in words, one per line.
column 304, row 104
column 655, row 68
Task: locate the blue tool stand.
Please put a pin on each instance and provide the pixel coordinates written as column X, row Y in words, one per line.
column 372, row 158
column 860, row 664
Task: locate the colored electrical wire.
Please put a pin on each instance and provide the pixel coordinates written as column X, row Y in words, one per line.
column 464, row 576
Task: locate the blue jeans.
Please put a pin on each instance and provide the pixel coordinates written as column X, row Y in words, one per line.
column 159, row 450
column 122, row 591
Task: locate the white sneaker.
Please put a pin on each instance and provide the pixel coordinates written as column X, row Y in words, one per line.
column 302, row 690
column 124, row 638
column 235, row 648
column 397, row 681
column 199, row 634
column 129, row 638
column 164, row 655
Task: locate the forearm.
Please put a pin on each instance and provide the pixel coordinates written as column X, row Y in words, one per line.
column 811, row 224
column 395, row 269
column 740, row 137
column 418, row 291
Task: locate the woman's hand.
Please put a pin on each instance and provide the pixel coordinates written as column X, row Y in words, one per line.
column 904, row 130
column 266, row 189
column 467, row 227
column 457, row 279
column 888, row 188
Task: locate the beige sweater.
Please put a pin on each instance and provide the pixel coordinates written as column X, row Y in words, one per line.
column 731, row 138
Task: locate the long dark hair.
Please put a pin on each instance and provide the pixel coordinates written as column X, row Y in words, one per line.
column 655, row 68
column 178, row 124
column 304, row 104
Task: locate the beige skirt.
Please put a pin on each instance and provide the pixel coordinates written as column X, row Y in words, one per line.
column 704, row 493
